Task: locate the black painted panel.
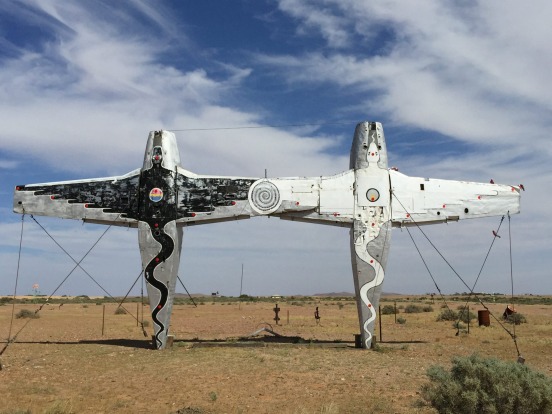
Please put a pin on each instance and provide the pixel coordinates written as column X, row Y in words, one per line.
column 204, row 195
column 157, row 195
column 120, row 196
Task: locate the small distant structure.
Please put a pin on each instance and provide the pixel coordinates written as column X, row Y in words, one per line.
column 36, row 290
column 214, row 294
column 508, row 311
column 317, row 315
column 276, row 310
column 276, row 297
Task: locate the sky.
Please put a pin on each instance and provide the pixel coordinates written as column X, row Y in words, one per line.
column 463, row 90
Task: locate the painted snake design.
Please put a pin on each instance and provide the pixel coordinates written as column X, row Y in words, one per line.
column 167, row 248
column 362, row 252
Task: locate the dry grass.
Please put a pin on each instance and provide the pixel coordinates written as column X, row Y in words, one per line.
column 62, row 362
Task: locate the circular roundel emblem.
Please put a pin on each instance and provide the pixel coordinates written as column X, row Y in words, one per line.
column 372, row 195
column 156, row 195
column 264, row 197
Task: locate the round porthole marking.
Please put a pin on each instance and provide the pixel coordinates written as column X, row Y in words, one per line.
column 372, row 195
column 264, row 197
column 156, row 195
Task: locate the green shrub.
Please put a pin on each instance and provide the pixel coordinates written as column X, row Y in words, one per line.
column 466, row 315
column 401, row 320
column 412, row 309
column 516, row 318
column 486, row 385
column 388, row 310
column 26, row 313
column 120, row 311
column 447, row 315
column 458, row 325
column 59, row 407
column 248, row 298
column 427, row 308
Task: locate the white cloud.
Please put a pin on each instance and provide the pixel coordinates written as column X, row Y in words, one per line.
column 8, row 164
column 473, row 72
column 477, row 73
column 84, row 100
column 94, row 94
column 320, row 19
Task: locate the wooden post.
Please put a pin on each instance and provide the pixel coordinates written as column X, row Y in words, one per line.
column 137, row 313
column 468, row 319
column 170, row 341
column 276, row 309
column 103, row 319
column 379, row 310
column 288, row 317
column 395, row 311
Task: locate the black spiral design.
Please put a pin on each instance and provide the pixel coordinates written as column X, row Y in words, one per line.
column 265, row 196
column 167, row 248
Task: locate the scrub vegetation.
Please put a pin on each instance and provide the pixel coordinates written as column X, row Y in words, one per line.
column 26, row 314
column 86, row 359
column 487, row 385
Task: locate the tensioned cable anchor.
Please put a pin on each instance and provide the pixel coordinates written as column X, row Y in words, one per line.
column 455, row 272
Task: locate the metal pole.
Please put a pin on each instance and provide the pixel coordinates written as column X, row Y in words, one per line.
column 142, row 300
column 103, row 320
column 395, row 312
column 241, row 286
column 241, row 281
column 137, row 313
column 468, row 319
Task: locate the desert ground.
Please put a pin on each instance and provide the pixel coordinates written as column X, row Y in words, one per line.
column 61, row 362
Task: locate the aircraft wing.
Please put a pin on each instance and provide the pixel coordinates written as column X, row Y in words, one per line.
column 209, row 199
column 110, row 200
column 427, row 201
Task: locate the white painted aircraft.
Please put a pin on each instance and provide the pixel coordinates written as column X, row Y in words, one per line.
column 161, row 198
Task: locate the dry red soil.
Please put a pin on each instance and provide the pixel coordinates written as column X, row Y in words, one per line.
column 61, row 362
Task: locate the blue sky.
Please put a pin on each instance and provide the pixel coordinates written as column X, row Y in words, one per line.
column 463, row 91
